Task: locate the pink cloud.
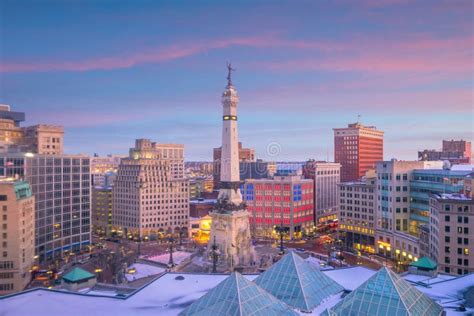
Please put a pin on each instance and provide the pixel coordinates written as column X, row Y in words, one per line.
column 414, row 54
column 166, row 53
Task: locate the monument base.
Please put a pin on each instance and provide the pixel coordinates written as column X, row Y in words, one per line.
column 232, row 237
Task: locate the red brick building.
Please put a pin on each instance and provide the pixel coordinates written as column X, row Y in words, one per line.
column 283, row 200
column 357, row 148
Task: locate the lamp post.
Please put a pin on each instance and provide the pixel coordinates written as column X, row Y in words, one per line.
column 171, row 240
column 281, row 231
column 181, row 236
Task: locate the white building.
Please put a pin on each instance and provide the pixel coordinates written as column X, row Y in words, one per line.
column 150, row 193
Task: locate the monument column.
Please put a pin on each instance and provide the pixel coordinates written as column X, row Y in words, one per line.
column 230, row 219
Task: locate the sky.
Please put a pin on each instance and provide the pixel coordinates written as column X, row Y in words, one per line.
column 113, row 71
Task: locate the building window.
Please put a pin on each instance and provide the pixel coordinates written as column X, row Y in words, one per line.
column 446, row 218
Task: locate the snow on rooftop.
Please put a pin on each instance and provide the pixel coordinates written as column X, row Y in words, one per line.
column 168, row 296
column 350, row 278
column 142, row 271
column 178, row 257
column 427, row 280
column 462, row 167
column 453, row 196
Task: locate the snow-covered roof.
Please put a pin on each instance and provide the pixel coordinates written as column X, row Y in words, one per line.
column 167, row 295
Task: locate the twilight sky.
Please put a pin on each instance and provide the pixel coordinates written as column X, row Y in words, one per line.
column 113, row 71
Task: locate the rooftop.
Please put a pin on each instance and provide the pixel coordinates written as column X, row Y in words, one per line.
column 425, row 263
column 77, row 275
column 452, row 196
column 169, row 295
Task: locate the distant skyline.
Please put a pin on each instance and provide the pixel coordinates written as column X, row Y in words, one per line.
column 111, row 72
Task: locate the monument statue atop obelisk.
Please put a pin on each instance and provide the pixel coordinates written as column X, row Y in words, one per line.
column 230, row 219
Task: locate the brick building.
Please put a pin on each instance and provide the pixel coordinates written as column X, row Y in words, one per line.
column 283, row 200
column 357, row 148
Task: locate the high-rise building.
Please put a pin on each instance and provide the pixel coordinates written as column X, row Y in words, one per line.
column 451, row 227
column 101, row 210
column 39, row 139
column 357, row 215
column 357, row 148
column 455, row 151
column 150, row 192
column 245, row 155
column 425, row 182
column 285, row 201
column 61, row 186
column 326, row 177
column 17, row 235
column 393, row 208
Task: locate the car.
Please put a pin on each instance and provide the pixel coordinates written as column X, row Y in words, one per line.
column 300, row 249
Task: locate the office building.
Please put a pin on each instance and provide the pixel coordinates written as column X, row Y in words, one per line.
column 326, row 177
column 357, row 215
column 101, row 210
column 41, row 139
column 61, row 186
column 357, row 148
column 284, row 200
column 150, row 193
column 44, row 139
column 451, row 227
column 393, row 236
column 17, row 235
column 425, row 182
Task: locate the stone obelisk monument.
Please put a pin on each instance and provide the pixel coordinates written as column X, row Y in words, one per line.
column 230, row 219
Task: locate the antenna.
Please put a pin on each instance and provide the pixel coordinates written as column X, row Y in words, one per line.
column 358, row 118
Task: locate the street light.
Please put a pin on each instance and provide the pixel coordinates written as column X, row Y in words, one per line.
column 171, row 240
column 281, row 230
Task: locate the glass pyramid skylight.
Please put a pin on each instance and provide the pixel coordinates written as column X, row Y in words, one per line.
column 297, row 283
column 386, row 293
column 240, row 297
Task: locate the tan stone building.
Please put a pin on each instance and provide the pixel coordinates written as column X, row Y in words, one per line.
column 17, row 235
column 44, row 139
column 451, row 227
column 357, row 214
column 150, row 193
column 38, row 139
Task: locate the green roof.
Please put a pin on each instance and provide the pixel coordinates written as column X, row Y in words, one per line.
column 240, row 297
column 386, row 293
column 297, row 283
column 424, row 263
column 77, row 275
